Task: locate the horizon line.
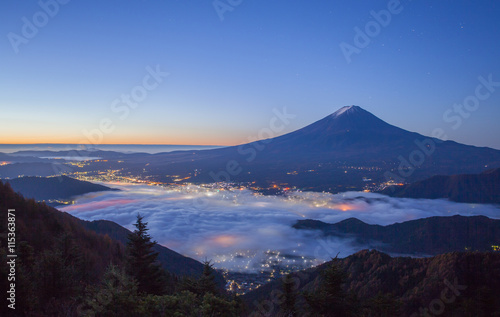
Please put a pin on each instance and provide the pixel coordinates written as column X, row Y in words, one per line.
column 91, row 144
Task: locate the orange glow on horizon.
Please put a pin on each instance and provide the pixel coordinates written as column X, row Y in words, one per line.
column 129, row 137
column 124, row 143
column 11, row 140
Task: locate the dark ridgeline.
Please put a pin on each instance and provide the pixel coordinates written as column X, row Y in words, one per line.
column 371, row 283
column 481, row 188
column 56, row 256
column 427, row 236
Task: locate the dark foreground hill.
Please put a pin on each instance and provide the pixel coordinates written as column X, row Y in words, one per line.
column 47, row 188
column 427, row 236
column 58, row 257
column 469, row 188
column 374, row 284
column 170, row 260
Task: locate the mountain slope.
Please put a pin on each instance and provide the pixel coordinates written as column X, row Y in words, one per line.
column 46, row 188
column 56, row 257
column 467, row 280
column 428, row 236
column 350, row 128
column 332, row 154
column 170, row 260
column 475, row 188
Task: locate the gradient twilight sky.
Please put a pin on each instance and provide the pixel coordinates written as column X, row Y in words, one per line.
column 226, row 76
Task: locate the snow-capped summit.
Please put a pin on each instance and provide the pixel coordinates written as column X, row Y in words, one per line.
column 346, row 110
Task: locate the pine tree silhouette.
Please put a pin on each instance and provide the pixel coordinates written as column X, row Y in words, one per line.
column 142, row 261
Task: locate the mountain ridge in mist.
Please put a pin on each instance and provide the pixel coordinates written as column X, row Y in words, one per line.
column 426, row 236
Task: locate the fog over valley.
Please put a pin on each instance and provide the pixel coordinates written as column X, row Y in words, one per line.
column 242, row 231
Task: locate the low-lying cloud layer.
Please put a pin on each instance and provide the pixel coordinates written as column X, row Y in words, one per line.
column 238, row 228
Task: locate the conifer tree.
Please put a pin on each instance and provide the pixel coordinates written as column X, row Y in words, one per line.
column 115, row 296
column 142, row 260
column 330, row 299
column 202, row 285
column 290, row 295
column 207, row 280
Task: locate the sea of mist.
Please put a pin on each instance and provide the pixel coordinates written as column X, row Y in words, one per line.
column 240, row 230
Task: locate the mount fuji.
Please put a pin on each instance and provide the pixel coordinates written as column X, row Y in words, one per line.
column 339, row 152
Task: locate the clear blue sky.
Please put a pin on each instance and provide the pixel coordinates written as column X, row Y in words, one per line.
column 226, row 76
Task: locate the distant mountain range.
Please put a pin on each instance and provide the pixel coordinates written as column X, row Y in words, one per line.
column 427, row 236
column 469, row 188
column 43, row 169
column 71, row 153
column 47, row 188
column 11, row 158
